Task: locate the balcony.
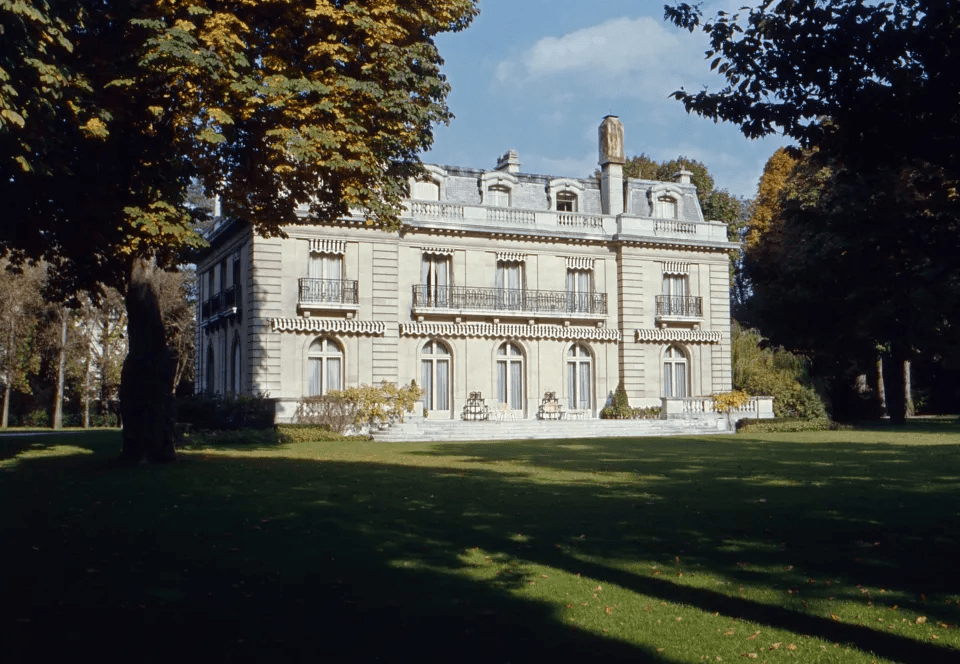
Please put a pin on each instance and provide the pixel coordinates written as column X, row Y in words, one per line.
column 510, row 302
column 674, row 308
column 328, row 295
column 220, row 305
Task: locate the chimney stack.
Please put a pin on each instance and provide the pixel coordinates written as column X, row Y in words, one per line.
column 509, row 161
column 611, row 165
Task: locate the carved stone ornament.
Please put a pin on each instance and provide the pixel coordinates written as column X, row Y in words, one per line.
column 611, row 141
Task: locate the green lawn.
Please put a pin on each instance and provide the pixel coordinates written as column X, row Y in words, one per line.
column 815, row 547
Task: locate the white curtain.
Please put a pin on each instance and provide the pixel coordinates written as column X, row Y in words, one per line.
column 668, row 379
column 572, row 385
column 333, row 373
column 426, row 382
column 501, row 382
column 516, row 385
column 680, row 384
column 583, row 391
column 443, row 385
column 315, row 376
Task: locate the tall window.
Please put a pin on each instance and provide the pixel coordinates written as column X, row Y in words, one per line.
column 510, row 284
column 327, row 272
column 579, row 289
column 675, row 288
column 566, row 201
column 498, row 196
column 510, row 376
column 675, row 373
column 324, row 367
column 435, row 376
column 235, row 366
column 425, row 190
column 579, row 378
column 435, row 279
column 210, row 382
column 668, row 207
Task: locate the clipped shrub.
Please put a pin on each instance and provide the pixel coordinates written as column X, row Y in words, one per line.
column 790, row 425
column 619, row 407
column 358, row 407
column 229, row 438
column 212, row 412
column 310, row 433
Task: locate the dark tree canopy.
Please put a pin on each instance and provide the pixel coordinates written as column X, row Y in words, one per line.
column 110, row 110
column 862, row 244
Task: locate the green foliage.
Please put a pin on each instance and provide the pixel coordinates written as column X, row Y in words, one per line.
column 762, row 371
column 363, row 406
column 230, row 438
column 790, row 425
column 310, row 433
column 619, row 407
column 232, row 412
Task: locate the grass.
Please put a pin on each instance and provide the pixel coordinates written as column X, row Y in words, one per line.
column 812, row 547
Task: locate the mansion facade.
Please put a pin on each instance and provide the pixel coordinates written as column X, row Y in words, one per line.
column 499, row 282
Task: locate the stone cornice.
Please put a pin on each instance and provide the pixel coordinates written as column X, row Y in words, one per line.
column 334, row 325
column 502, row 331
column 657, row 335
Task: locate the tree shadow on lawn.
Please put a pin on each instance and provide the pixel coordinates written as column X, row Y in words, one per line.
column 286, row 559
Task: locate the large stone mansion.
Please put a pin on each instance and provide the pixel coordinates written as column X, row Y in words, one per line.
column 499, row 282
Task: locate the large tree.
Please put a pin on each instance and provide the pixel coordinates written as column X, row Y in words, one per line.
column 873, row 218
column 109, row 110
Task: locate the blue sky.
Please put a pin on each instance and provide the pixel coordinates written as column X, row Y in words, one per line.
column 537, row 76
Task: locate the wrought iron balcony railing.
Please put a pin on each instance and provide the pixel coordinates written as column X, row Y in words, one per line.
column 224, row 301
column 459, row 298
column 328, row 291
column 673, row 305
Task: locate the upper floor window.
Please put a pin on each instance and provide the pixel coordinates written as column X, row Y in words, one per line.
column 668, row 207
column 498, row 196
column 675, row 285
column 435, row 279
column 326, row 266
column 566, row 201
column 425, row 190
column 324, row 367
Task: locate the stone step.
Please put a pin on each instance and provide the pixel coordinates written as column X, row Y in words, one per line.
column 456, row 430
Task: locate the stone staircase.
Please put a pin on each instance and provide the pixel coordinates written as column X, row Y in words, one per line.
column 421, row 430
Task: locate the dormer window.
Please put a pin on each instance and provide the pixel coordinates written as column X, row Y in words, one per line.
column 668, row 207
column 425, row 190
column 566, row 201
column 498, row 196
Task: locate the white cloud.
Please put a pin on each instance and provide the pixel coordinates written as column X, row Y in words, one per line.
column 623, row 57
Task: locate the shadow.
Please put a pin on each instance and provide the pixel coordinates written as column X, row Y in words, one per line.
column 271, row 558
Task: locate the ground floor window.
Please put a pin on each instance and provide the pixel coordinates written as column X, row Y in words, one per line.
column 210, row 382
column 675, row 374
column 579, row 378
column 235, row 366
column 510, row 376
column 435, row 376
column 324, row 367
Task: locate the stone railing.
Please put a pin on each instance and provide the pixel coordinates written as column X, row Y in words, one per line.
column 547, row 222
column 702, row 408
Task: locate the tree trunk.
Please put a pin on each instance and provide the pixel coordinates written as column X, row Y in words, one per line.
column 9, row 382
column 881, row 391
column 907, row 389
column 6, row 405
column 86, row 388
column 61, row 372
column 146, row 403
column 896, row 384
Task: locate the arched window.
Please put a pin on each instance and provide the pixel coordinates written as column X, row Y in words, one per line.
column 425, row 190
column 566, row 201
column 675, row 375
column 235, row 365
column 210, row 382
column 579, row 378
column 510, row 376
column 498, row 196
column 668, row 207
column 435, row 376
column 324, row 367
